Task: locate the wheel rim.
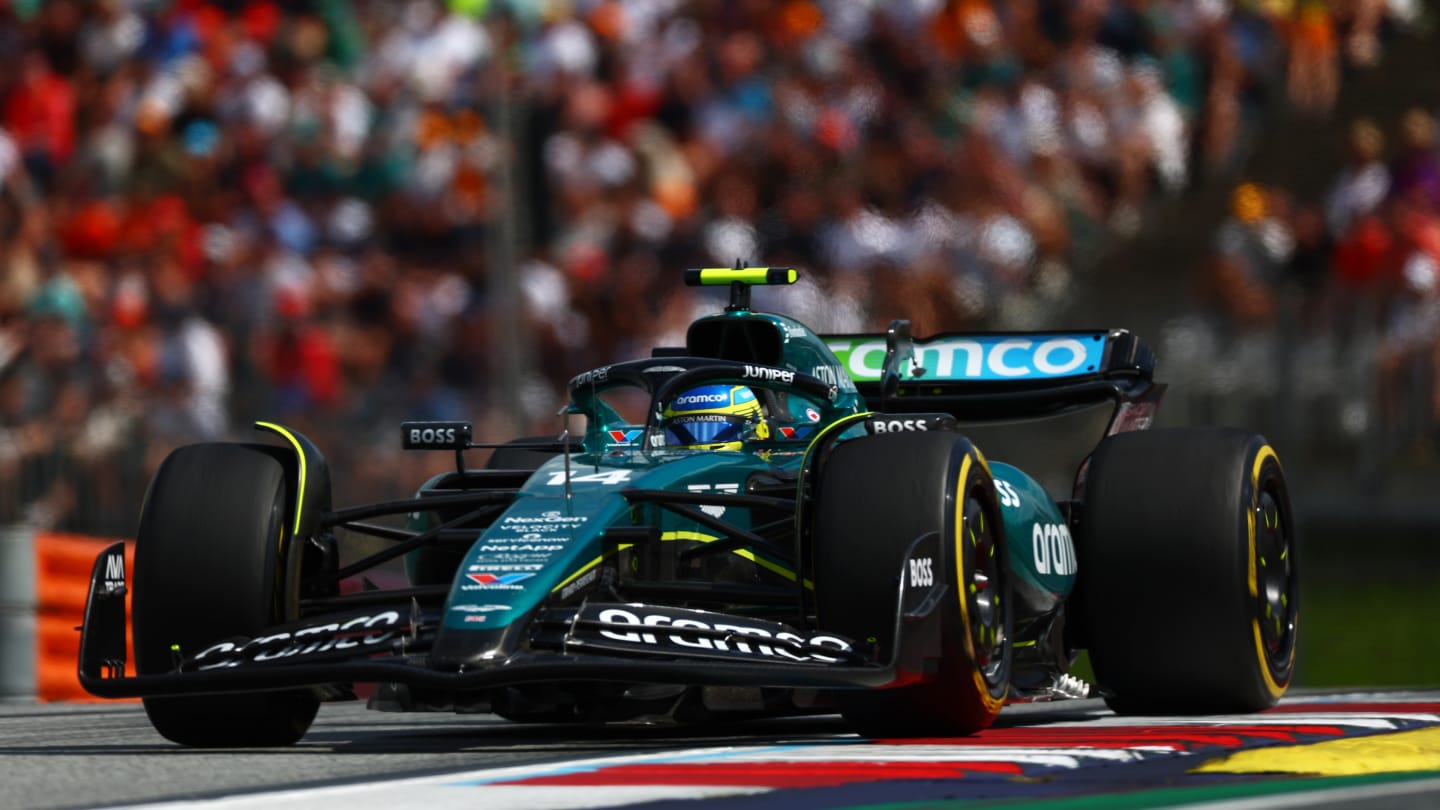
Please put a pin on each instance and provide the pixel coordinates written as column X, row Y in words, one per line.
column 983, row 590
column 1274, row 578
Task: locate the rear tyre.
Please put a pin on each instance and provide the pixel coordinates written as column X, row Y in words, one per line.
column 210, row 563
column 1187, row 572
column 874, row 497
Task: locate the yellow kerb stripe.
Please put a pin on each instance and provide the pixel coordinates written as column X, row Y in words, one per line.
column 1404, row 751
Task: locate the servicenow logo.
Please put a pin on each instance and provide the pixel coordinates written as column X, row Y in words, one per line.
column 982, row 357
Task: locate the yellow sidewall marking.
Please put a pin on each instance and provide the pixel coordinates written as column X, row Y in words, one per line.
column 1276, row 690
column 1399, row 752
column 300, row 456
column 991, row 702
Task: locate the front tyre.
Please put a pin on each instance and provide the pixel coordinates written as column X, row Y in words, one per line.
column 874, row 496
column 1187, row 572
column 211, row 563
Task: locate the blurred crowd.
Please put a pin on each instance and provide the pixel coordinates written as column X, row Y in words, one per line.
column 1351, row 278
column 326, row 212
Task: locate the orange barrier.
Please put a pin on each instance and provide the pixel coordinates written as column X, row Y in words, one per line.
column 63, row 563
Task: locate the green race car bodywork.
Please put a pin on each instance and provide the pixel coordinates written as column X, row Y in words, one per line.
column 897, row 531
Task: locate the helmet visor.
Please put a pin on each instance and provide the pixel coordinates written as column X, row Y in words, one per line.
column 701, row 429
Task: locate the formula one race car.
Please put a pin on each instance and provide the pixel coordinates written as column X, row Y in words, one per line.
column 765, row 521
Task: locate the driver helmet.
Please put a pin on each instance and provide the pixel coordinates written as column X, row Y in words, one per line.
column 711, row 417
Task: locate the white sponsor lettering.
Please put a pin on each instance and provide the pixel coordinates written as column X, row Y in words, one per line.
column 432, row 435
column 1053, row 549
column 702, row 399
column 479, row 608
column 727, row 489
column 611, row 477
column 711, row 509
column 972, row 358
column 922, row 572
column 1010, row 358
column 594, row 377
column 743, row 639
column 997, row 363
column 1008, row 496
column 330, row 636
column 826, row 373
column 513, row 547
column 769, row 374
column 580, row 582
column 114, row 573
column 867, row 360
column 899, row 425
column 538, row 523
column 1045, row 361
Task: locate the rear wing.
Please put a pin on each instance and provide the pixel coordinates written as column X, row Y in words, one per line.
column 996, row 375
column 1040, row 401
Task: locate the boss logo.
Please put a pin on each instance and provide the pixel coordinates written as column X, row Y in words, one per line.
column 432, row 435
column 428, row 435
column 898, row 425
column 922, row 572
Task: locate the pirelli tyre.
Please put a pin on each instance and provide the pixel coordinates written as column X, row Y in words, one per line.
column 214, row 558
column 1187, row 557
column 874, row 497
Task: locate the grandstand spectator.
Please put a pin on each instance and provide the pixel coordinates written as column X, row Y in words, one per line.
column 1362, row 184
column 222, row 179
column 1252, row 249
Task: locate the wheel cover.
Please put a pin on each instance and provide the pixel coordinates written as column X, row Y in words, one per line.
column 983, row 589
column 1275, row 578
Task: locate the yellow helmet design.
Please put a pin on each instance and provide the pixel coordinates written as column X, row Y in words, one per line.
column 711, row 417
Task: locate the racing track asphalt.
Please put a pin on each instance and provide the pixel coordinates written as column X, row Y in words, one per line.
column 93, row 755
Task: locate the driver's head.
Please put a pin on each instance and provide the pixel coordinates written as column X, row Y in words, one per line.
column 711, row 417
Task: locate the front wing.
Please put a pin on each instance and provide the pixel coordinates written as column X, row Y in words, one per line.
column 595, row 641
